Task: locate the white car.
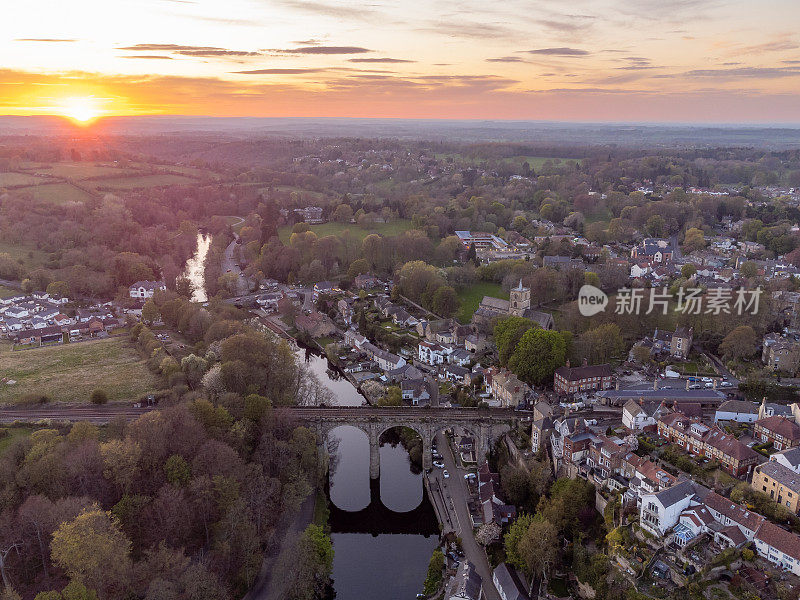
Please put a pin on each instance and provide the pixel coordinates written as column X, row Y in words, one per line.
column 445, row 474
column 438, row 464
column 469, row 476
column 706, row 379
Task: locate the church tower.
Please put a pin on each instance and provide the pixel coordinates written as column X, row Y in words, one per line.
column 520, row 300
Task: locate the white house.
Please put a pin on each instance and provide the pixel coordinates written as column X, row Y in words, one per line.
column 692, row 522
column 432, row 354
column 145, row 289
column 779, row 547
column 17, row 312
column 738, row 411
column 661, row 511
column 388, row 361
column 637, row 416
column 788, row 458
column 460, row 357
column 354, row 339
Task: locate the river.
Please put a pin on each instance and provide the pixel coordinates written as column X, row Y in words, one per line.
column 370, row 561
column 195, row 267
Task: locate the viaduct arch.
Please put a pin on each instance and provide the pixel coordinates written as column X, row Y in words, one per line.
column 486, row 424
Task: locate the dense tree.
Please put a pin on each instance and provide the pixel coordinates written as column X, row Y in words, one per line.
column 93, row 550
column 433, row 578
column 507, row 334
column 537, row 356
column 311, row 564
column 445, row 301
column 739, row 343
column 694, row 240
column 602, row 343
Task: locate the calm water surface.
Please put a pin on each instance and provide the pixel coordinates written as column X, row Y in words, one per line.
column 195, row 267
column 377, row 565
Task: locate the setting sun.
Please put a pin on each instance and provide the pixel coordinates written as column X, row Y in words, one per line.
column 81, row 110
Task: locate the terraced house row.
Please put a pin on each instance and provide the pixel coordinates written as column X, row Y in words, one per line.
column 688, row 512
column 710, row 442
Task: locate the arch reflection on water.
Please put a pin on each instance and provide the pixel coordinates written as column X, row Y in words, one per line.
column 370, row 559
column 394, row 503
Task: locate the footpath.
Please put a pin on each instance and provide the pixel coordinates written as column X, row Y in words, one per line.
column 270, row 585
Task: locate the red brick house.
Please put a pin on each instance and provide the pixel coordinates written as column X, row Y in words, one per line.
column 699, row 439
column 571, row 380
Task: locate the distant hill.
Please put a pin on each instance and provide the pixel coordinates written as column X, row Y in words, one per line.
column 616, row 134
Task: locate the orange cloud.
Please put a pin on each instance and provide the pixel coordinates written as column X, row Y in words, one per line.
column 338, row 93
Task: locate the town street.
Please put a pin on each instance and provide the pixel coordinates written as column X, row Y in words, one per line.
column 456, row 495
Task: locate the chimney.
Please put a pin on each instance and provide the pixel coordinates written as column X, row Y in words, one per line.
column 715, row 383
column 585, row 362
column 617, row 386
column 655, row 383
column 641, row 401
column 568, row 363
column 687, row 384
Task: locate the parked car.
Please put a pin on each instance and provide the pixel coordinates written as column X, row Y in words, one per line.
column 469, row 476
column 438, row 464
column 445, row 474
column 706, row 379
column 695, row 386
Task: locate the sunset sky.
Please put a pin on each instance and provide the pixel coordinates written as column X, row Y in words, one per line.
column 577, row 60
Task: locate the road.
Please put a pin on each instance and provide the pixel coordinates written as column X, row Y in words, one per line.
column 230, row 264
column 456, row 494
column 93, row 414
column 719, row 365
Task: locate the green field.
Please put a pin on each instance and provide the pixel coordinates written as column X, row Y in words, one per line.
column 392, row 228
column 302, row 192
column 80, row 170
column 537, row 162
column 31, row 257
column 470, row 298
column 7, row 179
column 57, row 193
column 141, row 181
column 190, row 171
column 69, row 373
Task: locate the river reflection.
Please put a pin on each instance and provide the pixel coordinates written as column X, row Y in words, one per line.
column 195, row 268
column 370, row 563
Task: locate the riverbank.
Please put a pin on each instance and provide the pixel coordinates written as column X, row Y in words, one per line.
column 330, row 367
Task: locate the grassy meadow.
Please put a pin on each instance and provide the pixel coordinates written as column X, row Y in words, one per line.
column 56, row 193
column 29, row 256
column 9, row 179
column 324, row 229
column 70, row 372
column 470, row 298
column 141, row 181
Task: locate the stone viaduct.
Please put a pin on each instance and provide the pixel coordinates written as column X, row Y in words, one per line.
column 485, row 425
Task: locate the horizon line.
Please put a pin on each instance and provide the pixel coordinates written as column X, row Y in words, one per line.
column 100, row 119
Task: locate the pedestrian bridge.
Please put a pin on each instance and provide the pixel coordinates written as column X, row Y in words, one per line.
column 485, row 425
